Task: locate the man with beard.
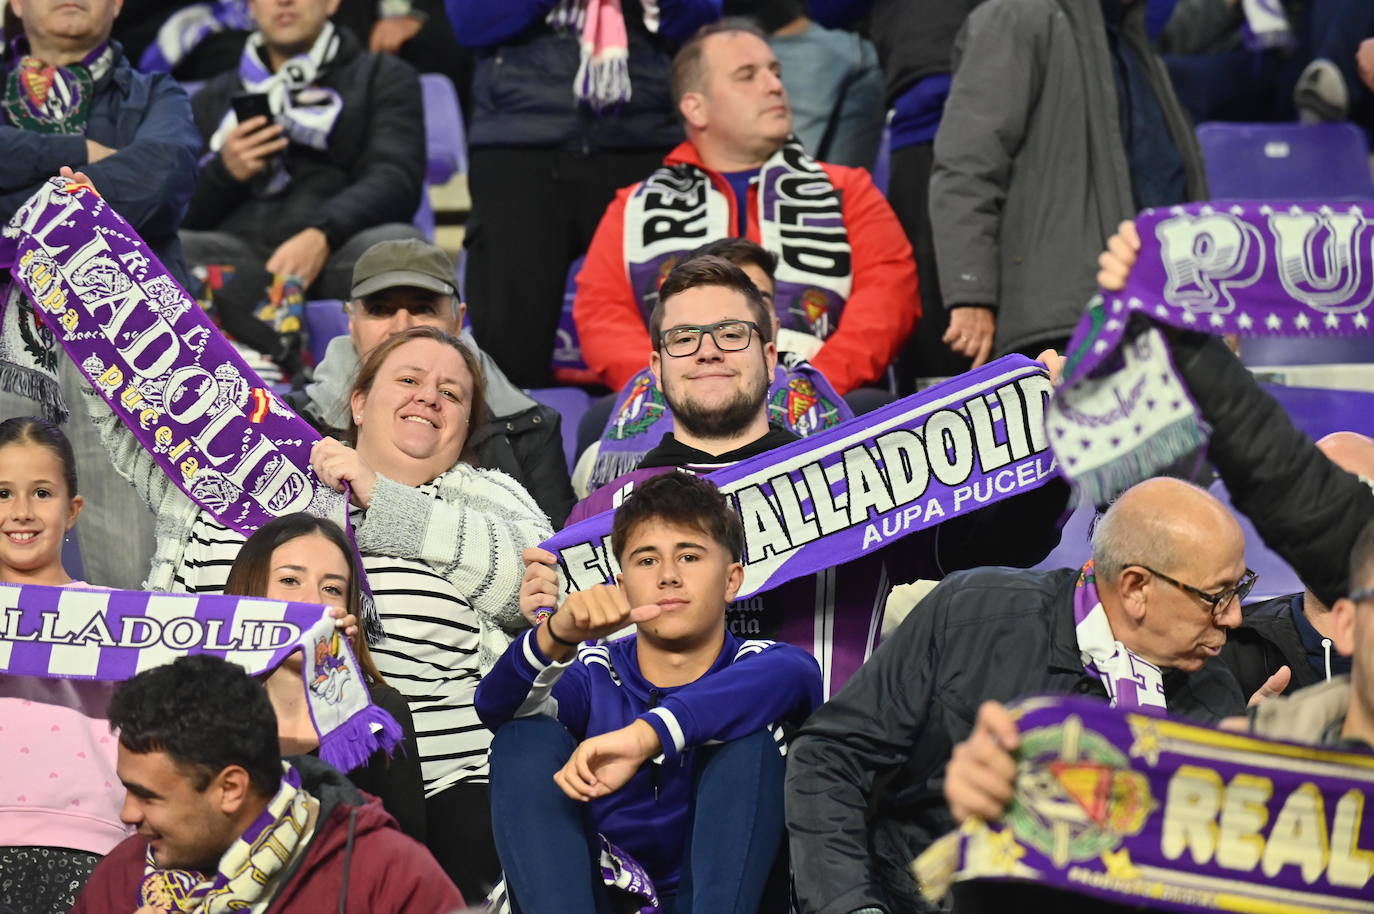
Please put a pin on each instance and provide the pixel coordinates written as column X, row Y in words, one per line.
column 713, row 357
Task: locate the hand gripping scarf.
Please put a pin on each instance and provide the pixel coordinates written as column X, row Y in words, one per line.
column 603, row 70
column 1130, row 680
column 801, row 219
column 306, row 112
column 218, row 432
column 249, row 870
column 818, row 502
column 800, row 400
column 1301, row 269
column 112, row 635
column 48, row 99
column 1151, row 812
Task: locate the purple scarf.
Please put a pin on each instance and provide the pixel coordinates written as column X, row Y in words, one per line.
column 1130, row 680
column 800, row 400
column 211, row 424
column 111, row 635
column 800, row 216
column 816, row 503
column 1144, row 810
column 1300, row 269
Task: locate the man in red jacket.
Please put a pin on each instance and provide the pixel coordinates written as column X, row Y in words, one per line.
column 846, row 284
column 224, row 823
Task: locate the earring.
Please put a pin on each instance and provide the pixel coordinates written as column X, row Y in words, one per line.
column 357, row 419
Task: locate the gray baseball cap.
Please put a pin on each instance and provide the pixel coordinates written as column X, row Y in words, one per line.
column 406, row 262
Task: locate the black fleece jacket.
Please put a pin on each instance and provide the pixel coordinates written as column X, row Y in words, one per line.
column 371, row 174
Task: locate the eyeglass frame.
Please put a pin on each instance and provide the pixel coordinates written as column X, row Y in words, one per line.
column 711, row 329
column 1363, row 593
column 1219, row 601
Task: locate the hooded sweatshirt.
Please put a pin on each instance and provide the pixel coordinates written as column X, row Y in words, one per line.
column 356, row 862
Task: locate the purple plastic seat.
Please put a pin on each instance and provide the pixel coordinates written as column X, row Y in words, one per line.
column 882, row 166
column 570, row 403
column 1317, row 350
column 445, row 139
column 324, row 320
column 1286, row 161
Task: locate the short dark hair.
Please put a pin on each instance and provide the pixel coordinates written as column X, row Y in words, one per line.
column 33, row 430
column 204, row 712
column 682, row 499
column 710, row 270
column 1362, row 559
column 741, row 252
column 687, row 66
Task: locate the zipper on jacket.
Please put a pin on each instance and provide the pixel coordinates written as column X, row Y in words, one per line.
column 653, row 765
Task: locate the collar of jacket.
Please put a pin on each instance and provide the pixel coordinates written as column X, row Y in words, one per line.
column 1064, row 652
column 625, row 660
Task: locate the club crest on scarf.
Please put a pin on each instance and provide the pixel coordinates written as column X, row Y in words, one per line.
column 48, row 99
column 639, row 412
column 799, row 405
column 1138, row 809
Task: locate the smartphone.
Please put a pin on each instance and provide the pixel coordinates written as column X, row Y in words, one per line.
column 250, row 105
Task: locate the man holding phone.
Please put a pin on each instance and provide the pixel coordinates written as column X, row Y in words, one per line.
column 314, row 151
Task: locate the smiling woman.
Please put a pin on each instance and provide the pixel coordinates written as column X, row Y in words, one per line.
column 440, row 541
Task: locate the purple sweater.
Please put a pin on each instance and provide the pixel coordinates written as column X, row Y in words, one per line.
column 600, row 689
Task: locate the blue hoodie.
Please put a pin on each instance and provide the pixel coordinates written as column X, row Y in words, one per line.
column 752, row 685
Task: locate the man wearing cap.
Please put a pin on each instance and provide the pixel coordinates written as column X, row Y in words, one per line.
column 409, row 283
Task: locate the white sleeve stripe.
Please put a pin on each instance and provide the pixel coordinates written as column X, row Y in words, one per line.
column 534, row 661
column 674, row 728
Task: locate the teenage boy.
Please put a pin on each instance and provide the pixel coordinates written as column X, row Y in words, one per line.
column 660, row 748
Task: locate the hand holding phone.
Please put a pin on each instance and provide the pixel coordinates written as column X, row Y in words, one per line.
column 248, row 105
column 247, row 150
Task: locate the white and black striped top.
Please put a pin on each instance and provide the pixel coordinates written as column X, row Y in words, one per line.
column 430, row 657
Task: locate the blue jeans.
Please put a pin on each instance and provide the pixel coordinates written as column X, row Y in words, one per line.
column 836, row 91
column 548, row 845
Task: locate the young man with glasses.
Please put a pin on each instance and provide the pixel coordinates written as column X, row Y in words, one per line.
column 713, row 357
column 1141, row 624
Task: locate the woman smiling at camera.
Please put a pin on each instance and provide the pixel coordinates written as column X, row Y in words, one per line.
column 440, row 540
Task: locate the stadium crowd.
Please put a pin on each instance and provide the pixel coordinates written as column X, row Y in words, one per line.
column 772, row 217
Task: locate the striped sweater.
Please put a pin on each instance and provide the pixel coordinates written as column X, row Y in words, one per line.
column 752, row 685
column 443, row 560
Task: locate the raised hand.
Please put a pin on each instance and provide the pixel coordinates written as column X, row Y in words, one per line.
column 539, row 589
column 336, row 463
column 588, row 615
column 981, row 776
column 1115, row 263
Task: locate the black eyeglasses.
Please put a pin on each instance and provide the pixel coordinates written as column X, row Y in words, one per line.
column 1220, row 600
column 729, row 336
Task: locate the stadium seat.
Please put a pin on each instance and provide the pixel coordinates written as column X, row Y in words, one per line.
column 570, row 403
column 445, row 139
column 1317, row 350
column 567, row 363
column 1286, row 161
column 324, row 320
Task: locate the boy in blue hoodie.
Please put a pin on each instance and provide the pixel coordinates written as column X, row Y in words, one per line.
column 651, row 764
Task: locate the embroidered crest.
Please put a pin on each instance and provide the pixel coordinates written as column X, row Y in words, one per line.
column 641, row 409
column 800, row 407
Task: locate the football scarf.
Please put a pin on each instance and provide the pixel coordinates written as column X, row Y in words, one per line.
column 1130, row 680
column 48, row 99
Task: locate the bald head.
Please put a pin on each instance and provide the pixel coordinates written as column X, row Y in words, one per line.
column 1350, row 451
column 1171, row 526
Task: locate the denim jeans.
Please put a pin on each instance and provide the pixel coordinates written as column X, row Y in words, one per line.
column 548, row 845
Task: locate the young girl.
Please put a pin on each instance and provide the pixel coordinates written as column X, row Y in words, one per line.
column 59, row 798
column 308, row 559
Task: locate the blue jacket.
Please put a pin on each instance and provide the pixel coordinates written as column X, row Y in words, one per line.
column 753, row 685
column 146, row 118
column 522, row 89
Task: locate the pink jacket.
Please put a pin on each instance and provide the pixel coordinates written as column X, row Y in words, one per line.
column 58, row 756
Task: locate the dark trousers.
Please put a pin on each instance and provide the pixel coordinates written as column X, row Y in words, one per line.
column 549, row 848
column 247, row 288
column 458, row 834
column 924, row 355
column 534, row 212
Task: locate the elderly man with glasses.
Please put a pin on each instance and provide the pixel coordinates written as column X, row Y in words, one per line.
column 1141, row 624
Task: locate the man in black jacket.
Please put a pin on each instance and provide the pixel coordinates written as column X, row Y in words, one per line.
column 409, row 283
column 864, row 775
column 336, row 167
column 1296, row 631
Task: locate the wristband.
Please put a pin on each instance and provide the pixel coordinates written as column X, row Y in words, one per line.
column 548, row 627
